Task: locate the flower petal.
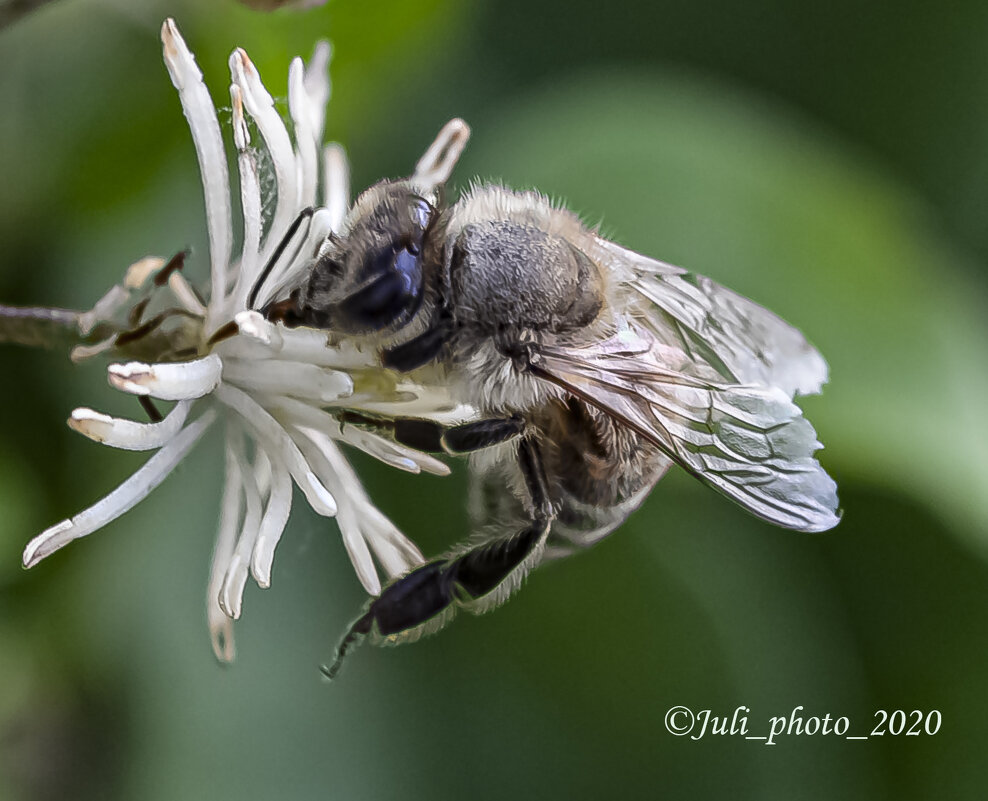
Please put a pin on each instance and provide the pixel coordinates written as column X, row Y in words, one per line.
column 300, row 107
column 436, row 165
column 250, row 204
column 317, row 85
column 396, row 553
column 298, row 413
column 260, row 106
column 234, row 581
column 220, row 625
column 297, row 379
column 205, row 129
column 128, row 434
column 336, row 183
column 274, row 439
column 123, row 498
column 273, row 523
column 346, row 517
column 170, row 381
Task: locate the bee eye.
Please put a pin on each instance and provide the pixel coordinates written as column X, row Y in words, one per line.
column 392, row 295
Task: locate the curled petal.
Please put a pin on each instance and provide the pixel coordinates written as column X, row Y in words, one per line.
column 128, row 434
column 123, row 498
column 171, row 381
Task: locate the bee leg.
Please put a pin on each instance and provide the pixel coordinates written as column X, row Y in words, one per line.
column 476, row 579
column 426, row 435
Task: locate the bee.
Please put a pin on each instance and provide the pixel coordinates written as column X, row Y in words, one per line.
column 593, row 370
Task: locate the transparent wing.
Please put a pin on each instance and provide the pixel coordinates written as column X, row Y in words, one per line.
column 744, row 342
column 749, row 441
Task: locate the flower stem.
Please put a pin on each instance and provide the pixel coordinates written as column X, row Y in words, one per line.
column 40, row 327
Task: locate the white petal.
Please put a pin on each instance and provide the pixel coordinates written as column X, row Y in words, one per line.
column 260, row 106
column 317, row 85
column 274, row 439
column 346, row 518
column 296, row 379
column 169, row 381
column 300, row 107
column 298, row 413
column 336, row 183
column 123, row 498
column 273, row 523
column 231, row 592
column 128, row 434
column 436, row 165
column 312, row 346
column 396, row 552
column 220, row 625
column 205, row 129
column 391, row 453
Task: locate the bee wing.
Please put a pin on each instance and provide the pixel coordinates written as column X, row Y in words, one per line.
column 749, row 441
column 744, row 342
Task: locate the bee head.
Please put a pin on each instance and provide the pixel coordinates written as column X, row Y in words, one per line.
column 369, row 277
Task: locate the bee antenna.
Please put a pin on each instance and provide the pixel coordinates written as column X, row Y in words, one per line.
column 305, row 214
column 353, row 637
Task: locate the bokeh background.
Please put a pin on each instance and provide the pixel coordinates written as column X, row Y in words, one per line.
column 829, row 160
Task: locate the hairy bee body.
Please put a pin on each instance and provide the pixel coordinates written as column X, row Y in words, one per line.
column 591, row 370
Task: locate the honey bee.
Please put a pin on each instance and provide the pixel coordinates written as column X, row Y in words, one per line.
column 593, row 368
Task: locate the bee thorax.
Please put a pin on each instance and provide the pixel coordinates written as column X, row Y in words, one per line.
column 508, row 275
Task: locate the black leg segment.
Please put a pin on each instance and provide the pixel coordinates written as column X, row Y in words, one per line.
column 431, row 437
column 429, row 592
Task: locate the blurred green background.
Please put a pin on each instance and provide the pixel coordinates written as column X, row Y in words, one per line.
column 830, row 161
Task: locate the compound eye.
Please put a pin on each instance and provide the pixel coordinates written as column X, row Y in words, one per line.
column 392, row 296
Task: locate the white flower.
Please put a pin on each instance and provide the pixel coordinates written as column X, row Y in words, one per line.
column 273, row 389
